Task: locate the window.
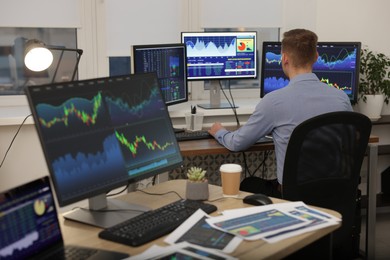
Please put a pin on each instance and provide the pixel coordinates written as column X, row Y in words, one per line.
column 13, row 75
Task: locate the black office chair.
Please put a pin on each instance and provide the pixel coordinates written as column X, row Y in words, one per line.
column 322, row 168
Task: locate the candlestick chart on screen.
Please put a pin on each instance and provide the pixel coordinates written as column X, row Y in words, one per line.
column 75, row 115
column 105, row 134
column 99, row 134
column 139, row 145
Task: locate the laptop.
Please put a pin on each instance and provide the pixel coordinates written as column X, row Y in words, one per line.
column 29, row 226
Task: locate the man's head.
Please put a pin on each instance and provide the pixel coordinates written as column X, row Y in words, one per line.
column 299, row 51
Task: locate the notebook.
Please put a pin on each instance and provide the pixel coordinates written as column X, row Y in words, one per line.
column 29, row 226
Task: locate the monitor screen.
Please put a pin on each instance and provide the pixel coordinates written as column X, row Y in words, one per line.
column 100, row 134
column 337, row 66
column 168, row 61
column 220, row 55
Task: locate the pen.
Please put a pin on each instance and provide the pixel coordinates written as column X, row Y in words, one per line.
column 193, row 112
column 193, row 109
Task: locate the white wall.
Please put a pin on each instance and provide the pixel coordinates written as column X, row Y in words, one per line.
column 25, row 160
column 142, row 22
column 355, row 20
column 40, row 13
column 342, row 20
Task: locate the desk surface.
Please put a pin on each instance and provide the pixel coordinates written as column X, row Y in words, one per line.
column 81, row 234
column 211, row 146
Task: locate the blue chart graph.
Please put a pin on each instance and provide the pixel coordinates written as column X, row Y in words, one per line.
column 174, row 63
column 18, row 232
column 211, row 46
column 273, row 60
column 125, row 106
column 204, row 235
column 274, row 77
column 341, row 59
column 27, row 228
column 90, row 159
column 72, row 116
column 274, row 83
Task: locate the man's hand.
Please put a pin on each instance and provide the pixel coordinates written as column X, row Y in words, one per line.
column 215, row 128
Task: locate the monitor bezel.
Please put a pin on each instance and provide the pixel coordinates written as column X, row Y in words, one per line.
column 354, row 97
column 160, row 46
column 220, row 33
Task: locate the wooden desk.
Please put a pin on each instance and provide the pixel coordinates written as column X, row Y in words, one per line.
column 211, row 146
column 80, row 234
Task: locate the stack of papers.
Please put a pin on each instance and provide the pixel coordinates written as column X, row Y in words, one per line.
column 205, row 237
column 272, row 222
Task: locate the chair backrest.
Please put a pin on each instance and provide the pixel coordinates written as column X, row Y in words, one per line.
column 322, row 164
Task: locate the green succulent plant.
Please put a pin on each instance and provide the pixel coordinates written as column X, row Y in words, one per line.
column 196, row 174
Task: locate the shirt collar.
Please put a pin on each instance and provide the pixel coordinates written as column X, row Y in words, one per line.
column 304, row 77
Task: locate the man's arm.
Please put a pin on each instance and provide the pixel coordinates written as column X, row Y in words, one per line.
column 215, row 128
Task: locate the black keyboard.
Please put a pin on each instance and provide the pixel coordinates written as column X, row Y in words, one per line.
column 153, row 224
column 195, row 135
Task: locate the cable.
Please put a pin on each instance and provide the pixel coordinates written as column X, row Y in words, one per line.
column 109, row 210
column 159, row 194
column 13, row 139
column 233, row 106
column 119, row 192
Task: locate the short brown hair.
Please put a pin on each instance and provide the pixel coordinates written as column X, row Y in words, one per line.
column 301, row 45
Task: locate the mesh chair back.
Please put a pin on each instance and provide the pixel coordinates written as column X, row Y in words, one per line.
column 322, row 165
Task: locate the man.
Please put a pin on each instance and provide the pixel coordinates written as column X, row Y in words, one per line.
column 280, row 111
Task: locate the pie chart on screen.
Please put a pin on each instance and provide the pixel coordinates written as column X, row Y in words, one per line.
column 39, row 207
column 242, row 46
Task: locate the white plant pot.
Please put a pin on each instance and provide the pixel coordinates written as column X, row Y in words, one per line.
column 372, row 107
column 385, row 109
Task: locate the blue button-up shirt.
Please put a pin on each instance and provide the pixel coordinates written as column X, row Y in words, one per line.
column 280, row 111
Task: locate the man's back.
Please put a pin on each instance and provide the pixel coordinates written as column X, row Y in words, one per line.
column 279, row 112
column 304, row 98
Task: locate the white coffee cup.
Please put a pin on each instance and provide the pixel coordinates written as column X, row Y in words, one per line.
column 230, row 179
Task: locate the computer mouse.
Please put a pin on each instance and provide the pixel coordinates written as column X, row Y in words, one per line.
column 257, row 199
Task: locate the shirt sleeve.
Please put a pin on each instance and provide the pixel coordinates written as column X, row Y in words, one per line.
column 259, row 124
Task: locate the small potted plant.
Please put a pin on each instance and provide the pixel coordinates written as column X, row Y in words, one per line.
column 197, row 185
column 374, row 86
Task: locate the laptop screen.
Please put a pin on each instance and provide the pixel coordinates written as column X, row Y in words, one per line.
column 28, row 220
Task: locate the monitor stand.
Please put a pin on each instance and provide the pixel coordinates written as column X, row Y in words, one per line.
column 104, row 213
column 215, row 98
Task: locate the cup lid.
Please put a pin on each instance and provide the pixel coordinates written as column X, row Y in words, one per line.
column 230, row 167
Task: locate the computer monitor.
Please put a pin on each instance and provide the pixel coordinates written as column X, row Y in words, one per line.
column 337, row 66
column 101, row 134
column 168, row 61
column 220, row 56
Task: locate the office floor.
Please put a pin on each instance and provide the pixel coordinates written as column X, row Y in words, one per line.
column 382, row 234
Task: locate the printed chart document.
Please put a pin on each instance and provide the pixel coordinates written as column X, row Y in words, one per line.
column 181, row 250
column 272, row 222
column 197, row 231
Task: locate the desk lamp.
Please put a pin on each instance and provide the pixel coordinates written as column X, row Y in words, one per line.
column 38, row 56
